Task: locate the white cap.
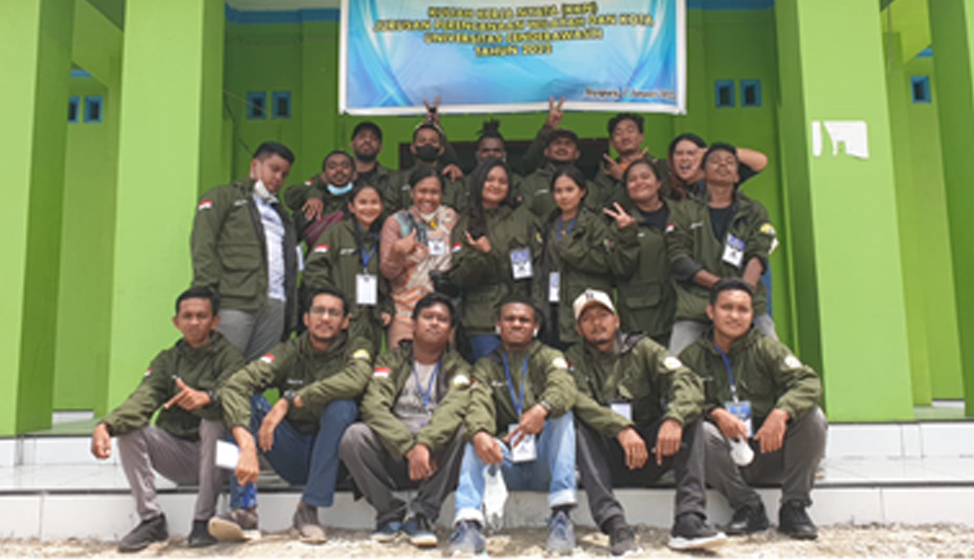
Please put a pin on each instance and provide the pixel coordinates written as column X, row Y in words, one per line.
column 589, row 298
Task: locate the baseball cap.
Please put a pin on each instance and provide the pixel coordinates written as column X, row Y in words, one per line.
column 589, row 298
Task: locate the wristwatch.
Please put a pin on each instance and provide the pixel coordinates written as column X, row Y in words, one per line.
column 289, row 396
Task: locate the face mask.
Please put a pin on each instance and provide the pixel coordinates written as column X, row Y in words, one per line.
column 338, row 191
column 428, row 153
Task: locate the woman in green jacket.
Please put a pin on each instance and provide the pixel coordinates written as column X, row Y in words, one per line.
column 346, row 257
column 577, row 243
column 640, row 263
column 495, row 253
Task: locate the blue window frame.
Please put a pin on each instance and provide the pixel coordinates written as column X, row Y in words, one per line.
column 281, row 105
column 920, row 89
column 724, row 93
column 74, row 108
column 750, row 93
column 256, row 105
column 93, row 108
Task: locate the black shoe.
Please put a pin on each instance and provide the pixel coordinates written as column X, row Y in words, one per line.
column 419, row 531
column 691, row 532
column 793, row 521
column 621, row 537
column 146, row 533
column 200, row 536
column 748, row 520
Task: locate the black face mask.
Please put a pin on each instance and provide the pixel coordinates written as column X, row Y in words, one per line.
column 428, row 153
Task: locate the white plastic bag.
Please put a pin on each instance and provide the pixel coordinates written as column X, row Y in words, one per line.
column 495, row 495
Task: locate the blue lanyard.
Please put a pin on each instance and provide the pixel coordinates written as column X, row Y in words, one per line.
column 518, row 404
column 730, row 373
column 568, row 230
column 429, row 387
column 366, row 257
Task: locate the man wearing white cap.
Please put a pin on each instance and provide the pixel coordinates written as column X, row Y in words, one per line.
column 639, row 416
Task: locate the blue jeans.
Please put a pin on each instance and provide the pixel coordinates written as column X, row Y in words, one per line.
column 553, row 471
column 483, row 344
column 302, row 458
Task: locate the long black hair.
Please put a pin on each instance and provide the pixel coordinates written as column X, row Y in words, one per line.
column 476, row 219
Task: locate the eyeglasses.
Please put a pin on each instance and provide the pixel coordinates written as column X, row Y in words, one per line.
column 329, row 311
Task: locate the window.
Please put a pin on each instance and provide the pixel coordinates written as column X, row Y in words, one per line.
column 74, row 108
column 750, row 93
column 93, row 108
column 920, row 89
column 256, row 105
column 724, row 93
column 281, row 108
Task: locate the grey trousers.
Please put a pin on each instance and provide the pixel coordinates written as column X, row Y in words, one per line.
column 601, row 463
column 254, row 334
column 378, row 474
column 686, row 333
column 793, row 466
column 184, row 462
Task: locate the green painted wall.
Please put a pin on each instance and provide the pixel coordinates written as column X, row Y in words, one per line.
column 930, row 210
column 84, row 310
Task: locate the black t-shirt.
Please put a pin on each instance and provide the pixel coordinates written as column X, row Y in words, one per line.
column 656, row 219
column 720, row 219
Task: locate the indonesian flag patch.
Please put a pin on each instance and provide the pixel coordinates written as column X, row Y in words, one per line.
column 147, row 373
column 456, row 247
column 670, row 227
column 204, row 205
column 321, row 248
column 267, row 358
column 382, row 373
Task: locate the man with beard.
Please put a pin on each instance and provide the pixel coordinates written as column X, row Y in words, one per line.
column 635, row 398
column 428, row 148
column 366, row 145
column 319, row 375
column 322, row 200
column 410, row 437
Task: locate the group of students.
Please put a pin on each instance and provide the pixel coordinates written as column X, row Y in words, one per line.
column 562, row 292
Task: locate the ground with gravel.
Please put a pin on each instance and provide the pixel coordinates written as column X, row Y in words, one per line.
column 940, row 541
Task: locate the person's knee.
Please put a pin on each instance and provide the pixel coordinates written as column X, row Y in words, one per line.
column 353, row 439
column 342, row 411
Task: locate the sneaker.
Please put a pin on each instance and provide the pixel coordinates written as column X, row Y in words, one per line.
column 561, row 534
column 747, row 520
column 199, row 536
column 466, row 540
column 306, row 522
column 793, row 521
column 419, row 531
column 235, row 526
column 387, row 532
column 145, row 533
column 622, row 539
column 691, row 532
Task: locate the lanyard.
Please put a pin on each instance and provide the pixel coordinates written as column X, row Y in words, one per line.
column 429, row 387
column 518, row 404
column 568, row 230
column 366, row 257
column 730, row 374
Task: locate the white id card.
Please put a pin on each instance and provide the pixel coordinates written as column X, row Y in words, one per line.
column 521, row 264
column 742, row 411
column 733, row 251
column 436, row 246
column 526, row 450
column 622, row 408
column 554, row 287
column 227, row 455
column 366, row 289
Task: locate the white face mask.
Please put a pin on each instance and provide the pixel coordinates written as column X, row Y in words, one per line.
column 260, row 188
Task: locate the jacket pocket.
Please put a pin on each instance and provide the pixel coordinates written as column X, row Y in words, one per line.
column 242, row 267
column 641, row 295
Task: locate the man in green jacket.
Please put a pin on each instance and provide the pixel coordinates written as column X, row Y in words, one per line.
column 322, row 201
column 561, row 150
column 244, row 248
column 721, row 234
column 366, row 145
column 626, row 136
column 410, row 437
column 319, row 375
column 759, row 398
column 429, row 148
column 634, row 397
column 182, row 445
column 524, row 394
